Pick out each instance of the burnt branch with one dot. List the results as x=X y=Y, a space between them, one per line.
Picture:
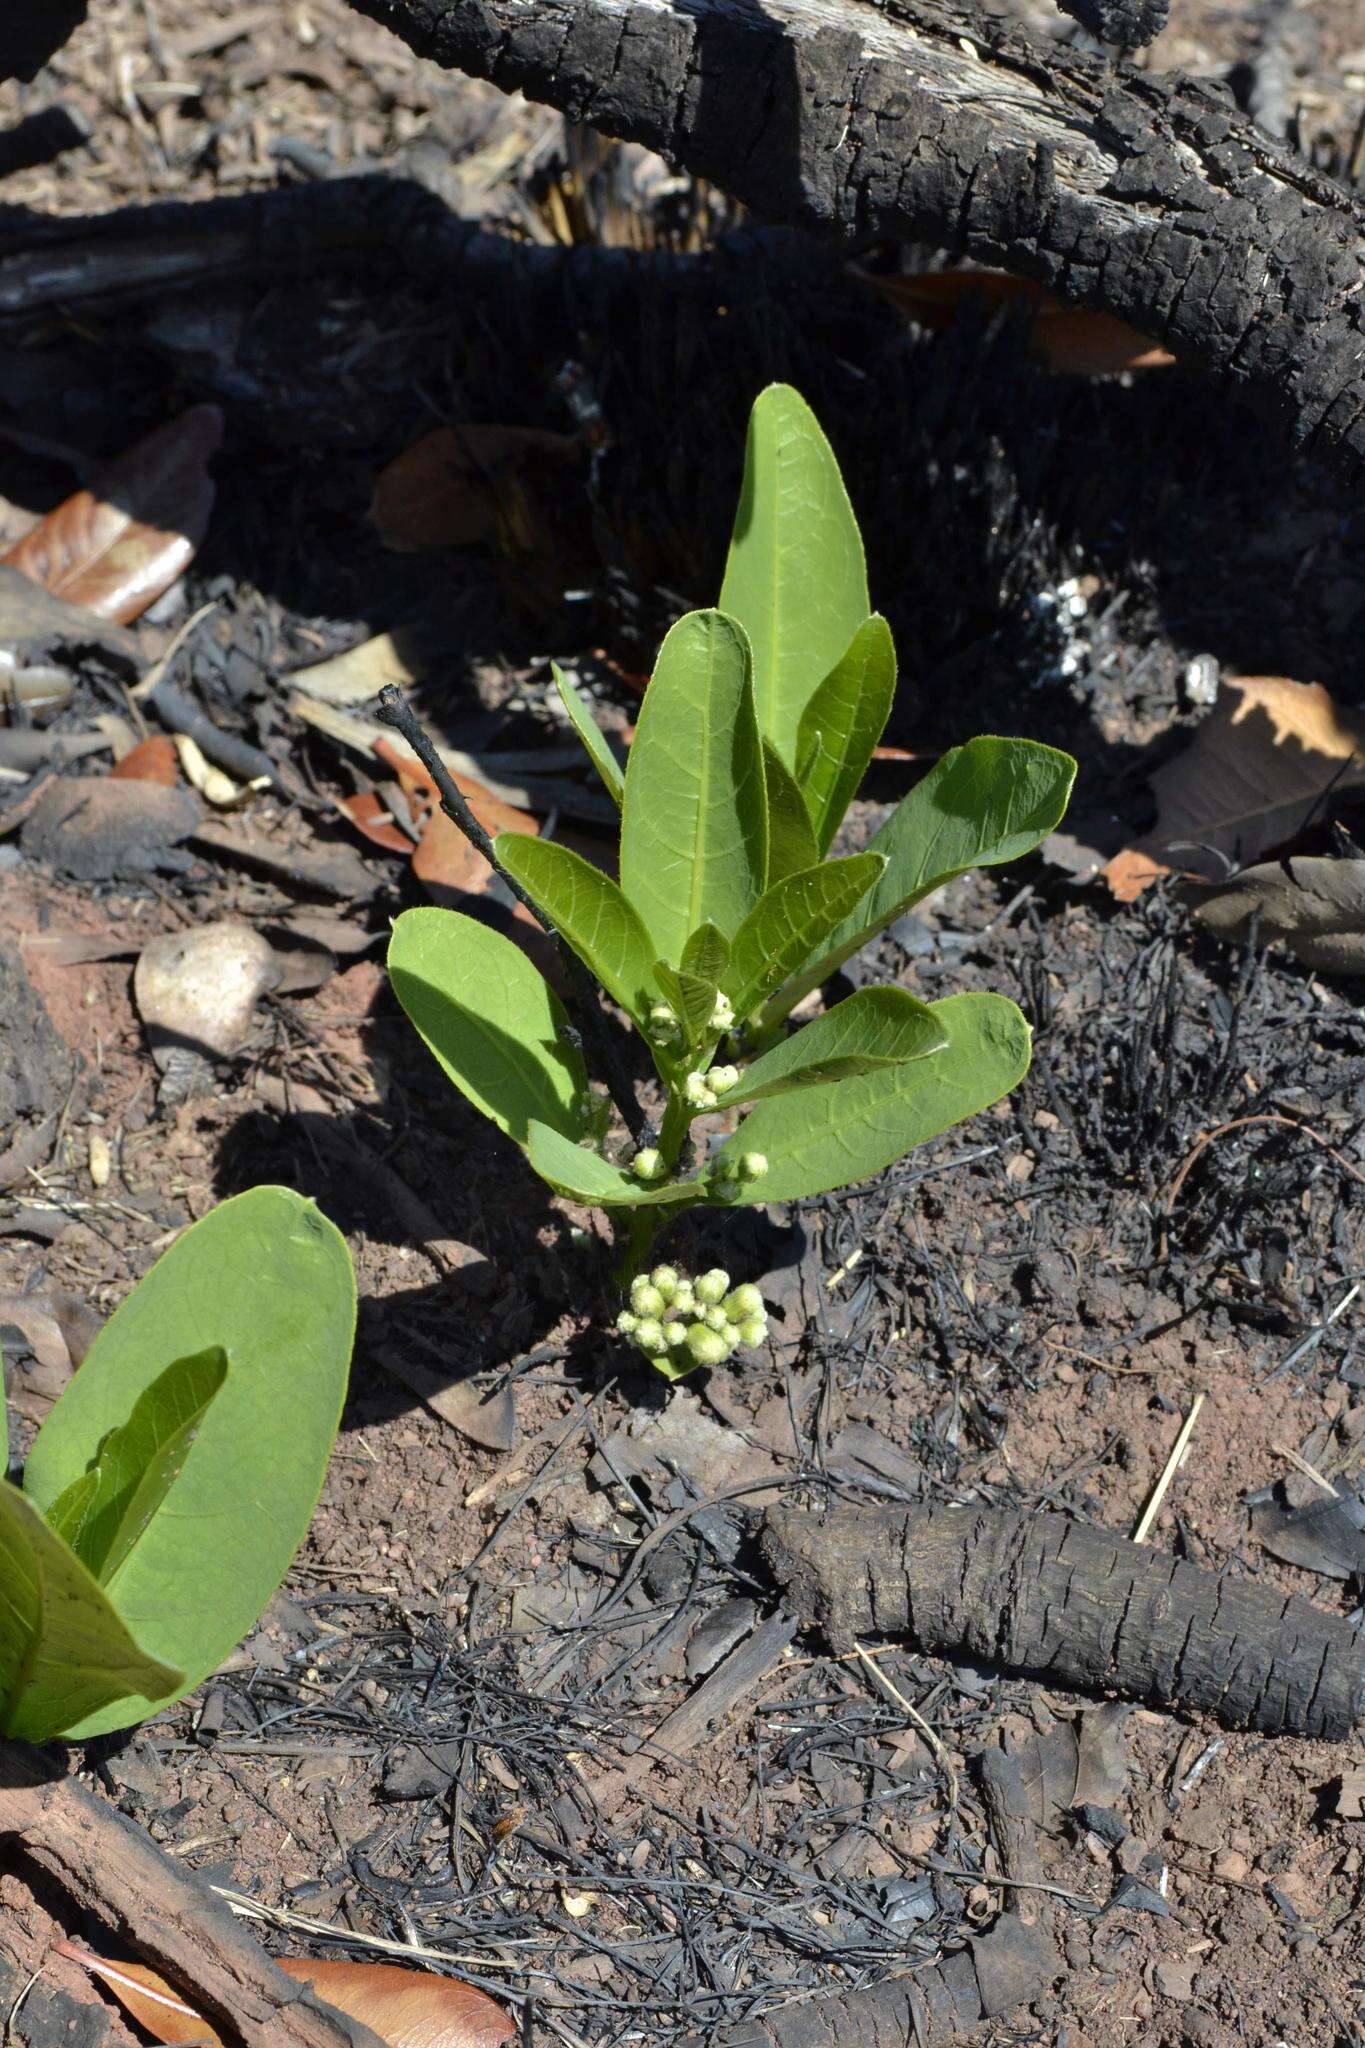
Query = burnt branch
x=393 y=709
x=1147 y=196
x=107 y=1867
x=1048 y=1597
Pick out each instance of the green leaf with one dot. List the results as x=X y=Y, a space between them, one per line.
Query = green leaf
x=791 y=920
x=266 y=1278
x=692 y=998
x=585 y=1176
x=791 y=838
x=691 y=989
x=828 y=1137
x=694 y=838
x=591 y=734
x=842 y=723
x=873 y=1029
x=795 y=578
x=589 y=911
x=65 y=1654
x=989 y=801
x=494 y=1024
x=706 y=954
x=104 y=1512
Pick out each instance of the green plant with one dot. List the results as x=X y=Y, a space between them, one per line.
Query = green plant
x=167 y=1491
x=756 y=729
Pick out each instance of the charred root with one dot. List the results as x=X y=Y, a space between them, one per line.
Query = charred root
x=1058 y=1600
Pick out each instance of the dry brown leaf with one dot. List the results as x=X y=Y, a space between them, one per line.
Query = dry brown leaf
x=406 y=2008
x=1254 y=776
x=367 y=813
x=1074 y=340
x=115 y=546
x=1314 y=908
x=153 y=760
x=448 y=488
x=445 y=860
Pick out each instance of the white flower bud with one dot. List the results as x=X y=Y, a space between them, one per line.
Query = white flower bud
x=752 y=1165
x=648 y=1164
x=706 y=1346
x=754 y=1331
x=744 y=1302
x=645 y=1299
x=722 y=1013
x=715 y=1318
x=720 y=1079
x=697 y=1093
x=684 y=1298
x=663 y=1022
x=713 y=1286
x=626 y=1323
x=649 y=1338
x=665 y=1278
x=675 y=1335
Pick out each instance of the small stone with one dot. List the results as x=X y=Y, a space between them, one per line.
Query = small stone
x=1176 y=1979
x=1232 y=1867
x=199 y=988
x=1350 y=1801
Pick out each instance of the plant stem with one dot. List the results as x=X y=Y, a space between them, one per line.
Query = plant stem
x=393 y=709
x=637 y=1242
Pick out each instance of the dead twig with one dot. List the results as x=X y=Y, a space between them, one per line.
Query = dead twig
x=393 y=709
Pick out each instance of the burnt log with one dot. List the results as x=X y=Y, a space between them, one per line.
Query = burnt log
x=1148 y=196
x=1045 y=1597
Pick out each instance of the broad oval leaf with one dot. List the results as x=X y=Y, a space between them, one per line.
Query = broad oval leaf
x=842 y=723
x=406 y=2008
x=989 y=801
x=104 y=1512
x=584 y=1176
x=268 y=1279
x=790 y=921
x=589 y=911
x=870 y=1030
x=795 y=577
x=592 y=736
x=493 y=1023
x=791 y=838
x=828 y=1137
x=65 y=1652
x=694 y=839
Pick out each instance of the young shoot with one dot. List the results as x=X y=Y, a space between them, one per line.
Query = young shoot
x=757 y=726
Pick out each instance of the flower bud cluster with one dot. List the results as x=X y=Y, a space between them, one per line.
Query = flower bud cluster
x=700 y=1090
x=683 y=1323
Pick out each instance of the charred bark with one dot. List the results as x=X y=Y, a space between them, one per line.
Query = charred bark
x=1058 y=1600
x=1146 y=195
x=56 y=1832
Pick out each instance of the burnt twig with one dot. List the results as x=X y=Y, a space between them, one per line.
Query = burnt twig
x=393 y=709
